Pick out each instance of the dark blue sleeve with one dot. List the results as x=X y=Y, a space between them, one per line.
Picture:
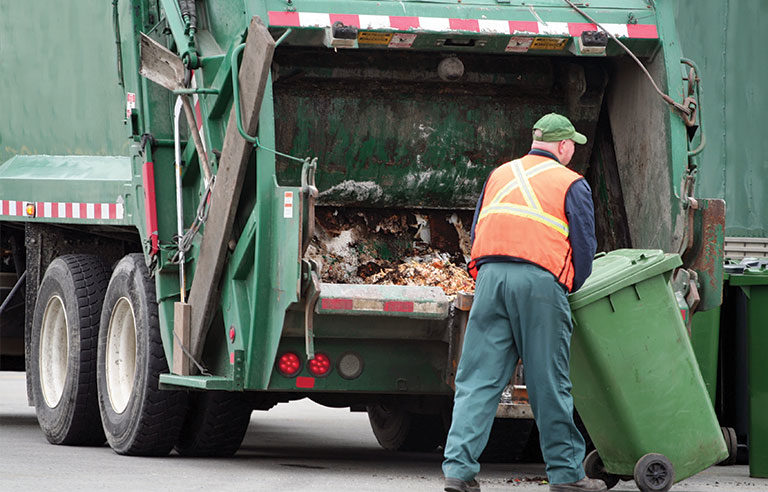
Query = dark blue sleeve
x=477 y=212
x=580 y=212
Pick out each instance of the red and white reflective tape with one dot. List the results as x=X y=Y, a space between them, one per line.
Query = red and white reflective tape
x=64 y=210
x=380 y=306
x=444 y=24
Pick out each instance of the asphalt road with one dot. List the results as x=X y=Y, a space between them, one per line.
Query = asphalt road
x=299 y=446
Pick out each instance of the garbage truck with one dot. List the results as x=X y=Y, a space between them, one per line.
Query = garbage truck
x=209 y=207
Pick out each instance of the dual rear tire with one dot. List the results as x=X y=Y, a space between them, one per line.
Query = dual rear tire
x=138 y=417
x=397 y=429
x=215 y=425
x=97 y=355
x=64 y=350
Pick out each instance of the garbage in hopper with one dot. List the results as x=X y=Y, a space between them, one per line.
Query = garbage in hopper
x=392 y=248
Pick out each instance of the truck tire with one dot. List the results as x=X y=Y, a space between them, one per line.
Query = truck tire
x=138 y=417
x=63 y=349
x=397 y=429
x=215 y=425
x=508 y=441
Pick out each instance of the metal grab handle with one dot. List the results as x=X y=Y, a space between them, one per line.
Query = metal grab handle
x=309 y=190
x=308 y=172
x=312 y=295
x=235 y=71
x=696 y=110
x=179 y=197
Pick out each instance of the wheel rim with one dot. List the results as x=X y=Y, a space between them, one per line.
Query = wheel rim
x=656 y=475
x=54 y=351
x=121 y=355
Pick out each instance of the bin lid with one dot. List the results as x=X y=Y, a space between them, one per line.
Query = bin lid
x=755 y=275
x=618 y=269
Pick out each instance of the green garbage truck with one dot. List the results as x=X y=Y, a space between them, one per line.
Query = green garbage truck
x=210 y=207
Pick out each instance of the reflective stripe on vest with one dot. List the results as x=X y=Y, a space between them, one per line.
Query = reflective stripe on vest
x=533 y=210
x=523 y=216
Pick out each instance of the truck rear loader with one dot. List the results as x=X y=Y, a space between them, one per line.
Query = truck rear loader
x=206 y=206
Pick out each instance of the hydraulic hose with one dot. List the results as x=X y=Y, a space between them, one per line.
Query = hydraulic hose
x=679 y=107
x=189 y=14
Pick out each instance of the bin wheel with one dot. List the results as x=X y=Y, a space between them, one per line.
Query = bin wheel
x=732 y=443
x=594 y=468
x=654 y=473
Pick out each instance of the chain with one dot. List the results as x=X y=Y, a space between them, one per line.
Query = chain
x=258 y=145
x=185 y=242
x=200 y=368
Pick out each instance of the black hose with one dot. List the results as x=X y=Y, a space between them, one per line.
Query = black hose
x=189 y=13
x=116 y=27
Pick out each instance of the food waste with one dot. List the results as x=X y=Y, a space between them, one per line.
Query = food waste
x=393 y=248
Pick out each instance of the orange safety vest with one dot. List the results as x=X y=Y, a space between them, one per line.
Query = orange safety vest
x=523 y=216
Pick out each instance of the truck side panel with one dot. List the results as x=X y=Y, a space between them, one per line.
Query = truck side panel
x=60 y=60
x=733 y=66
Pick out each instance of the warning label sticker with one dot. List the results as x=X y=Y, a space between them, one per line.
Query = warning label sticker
x=130 y=104
x=288 y=205
x=519 y=44
x=370 y=37
x=552 y=44
x=402 y=40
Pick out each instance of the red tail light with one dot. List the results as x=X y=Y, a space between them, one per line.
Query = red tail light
x=320 y=365
x=289 y=364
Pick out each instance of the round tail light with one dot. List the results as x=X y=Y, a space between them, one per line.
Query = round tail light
x=320 y=365
x=289 y=364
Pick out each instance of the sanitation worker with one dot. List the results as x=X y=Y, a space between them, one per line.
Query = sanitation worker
x=533 y=241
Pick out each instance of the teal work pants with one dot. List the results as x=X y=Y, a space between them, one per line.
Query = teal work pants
x=519 y=311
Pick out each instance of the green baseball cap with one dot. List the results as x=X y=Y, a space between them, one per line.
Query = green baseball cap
x=554 y=127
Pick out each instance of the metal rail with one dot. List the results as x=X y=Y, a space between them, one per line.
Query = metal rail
x=15 y=288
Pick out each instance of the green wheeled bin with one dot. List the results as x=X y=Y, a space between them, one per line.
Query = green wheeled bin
x=636 y=382
x=753 y=280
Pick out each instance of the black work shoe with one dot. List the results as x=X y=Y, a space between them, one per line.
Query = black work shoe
x=458 y=485
x=583 y=485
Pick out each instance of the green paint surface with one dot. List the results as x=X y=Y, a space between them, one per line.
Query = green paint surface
x=69 y=179
x=754 y=283
x=705 y=339
x=60 y=92
x=726 y=40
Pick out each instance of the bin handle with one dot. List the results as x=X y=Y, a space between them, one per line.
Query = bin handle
x=600 y=254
